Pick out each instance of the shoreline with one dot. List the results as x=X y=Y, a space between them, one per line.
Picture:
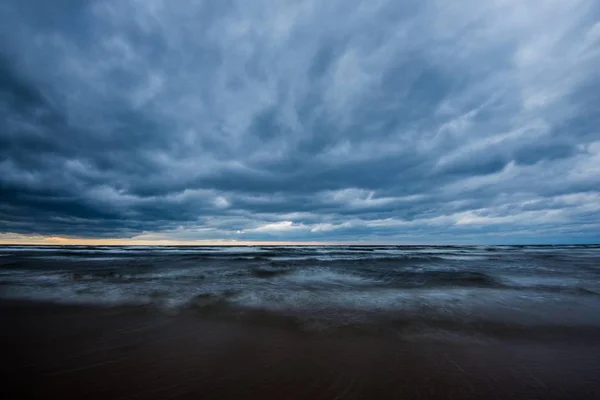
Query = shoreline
x=75 y=351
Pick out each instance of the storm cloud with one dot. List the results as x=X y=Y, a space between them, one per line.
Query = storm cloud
x=376 y=121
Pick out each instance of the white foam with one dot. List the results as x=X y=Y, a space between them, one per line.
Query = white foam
x=51 y=257
x=551 y=281
x=318 y=275
x=462 y=257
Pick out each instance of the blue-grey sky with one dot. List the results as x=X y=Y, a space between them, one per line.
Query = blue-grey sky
x=342 y=120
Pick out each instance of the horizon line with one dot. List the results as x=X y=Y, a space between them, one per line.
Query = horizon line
x=64 y=241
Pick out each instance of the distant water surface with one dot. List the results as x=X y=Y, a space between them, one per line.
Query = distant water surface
x=323 y=287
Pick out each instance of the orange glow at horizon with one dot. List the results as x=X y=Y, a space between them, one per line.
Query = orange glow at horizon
x=17 y=239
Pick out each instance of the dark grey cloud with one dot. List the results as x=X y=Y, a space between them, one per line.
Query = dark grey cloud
x=360 y=121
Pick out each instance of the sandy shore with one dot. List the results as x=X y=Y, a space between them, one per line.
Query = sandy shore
x=75 y=352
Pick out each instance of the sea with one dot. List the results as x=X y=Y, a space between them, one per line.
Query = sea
x=472 y=290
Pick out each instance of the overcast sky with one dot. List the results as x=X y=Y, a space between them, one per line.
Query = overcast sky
x=322 y=120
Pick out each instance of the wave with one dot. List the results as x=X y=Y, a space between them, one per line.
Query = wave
x=446 y=278
x=387 y=309
x=265 y=272
x=327 y=276
x=333 y=285
x=322 y=299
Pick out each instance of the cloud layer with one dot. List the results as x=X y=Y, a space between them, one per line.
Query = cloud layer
x=378 y=121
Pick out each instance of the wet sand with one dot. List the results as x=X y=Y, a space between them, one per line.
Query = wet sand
x=76 y=352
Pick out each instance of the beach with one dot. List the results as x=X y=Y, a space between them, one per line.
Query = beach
x=74 y=352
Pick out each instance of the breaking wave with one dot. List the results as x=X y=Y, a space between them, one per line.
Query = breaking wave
x=318 y=286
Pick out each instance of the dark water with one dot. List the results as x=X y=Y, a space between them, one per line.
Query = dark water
x=324 y=287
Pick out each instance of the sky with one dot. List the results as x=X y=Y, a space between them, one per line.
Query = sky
x=376 y=121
